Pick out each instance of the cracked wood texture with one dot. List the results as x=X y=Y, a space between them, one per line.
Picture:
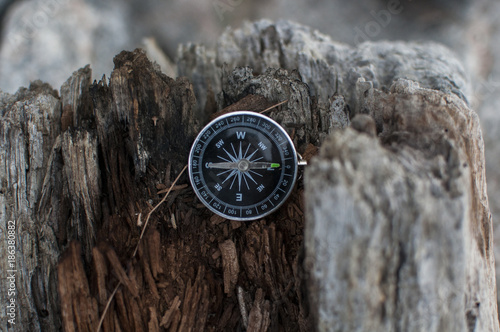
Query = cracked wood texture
x=399 y=230
x=389 y=230
x=101 y=155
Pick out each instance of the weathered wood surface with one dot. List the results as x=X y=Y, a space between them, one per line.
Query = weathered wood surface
x=29 y=128
x=399 y=234
x=100 y=176
x=83 y=170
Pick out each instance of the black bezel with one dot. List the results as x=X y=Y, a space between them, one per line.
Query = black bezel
x=266 y=127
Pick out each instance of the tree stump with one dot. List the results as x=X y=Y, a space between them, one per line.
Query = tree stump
x=399 y=234
x=397 y=226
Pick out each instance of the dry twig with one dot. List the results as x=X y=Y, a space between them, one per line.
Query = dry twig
x=275 y=105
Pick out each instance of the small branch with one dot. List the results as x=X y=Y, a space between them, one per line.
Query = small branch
x=107 y=306
x=179 y=187
x=156 y=206
x=275 y=105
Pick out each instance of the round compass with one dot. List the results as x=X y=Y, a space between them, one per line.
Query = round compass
x=243 y=165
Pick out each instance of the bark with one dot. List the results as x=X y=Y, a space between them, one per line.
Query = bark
x=82 y=171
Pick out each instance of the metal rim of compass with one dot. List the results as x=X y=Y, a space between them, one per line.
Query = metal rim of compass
x=295 y=157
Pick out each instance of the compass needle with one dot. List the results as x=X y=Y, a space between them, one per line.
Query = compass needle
x=225 y=165
x=242 y=165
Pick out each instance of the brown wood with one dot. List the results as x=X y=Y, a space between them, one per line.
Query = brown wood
x=78 y=306
x=118 y=147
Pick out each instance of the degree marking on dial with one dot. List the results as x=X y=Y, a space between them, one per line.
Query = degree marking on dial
x=227 y=164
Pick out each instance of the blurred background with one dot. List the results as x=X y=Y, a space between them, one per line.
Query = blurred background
x=49 y=39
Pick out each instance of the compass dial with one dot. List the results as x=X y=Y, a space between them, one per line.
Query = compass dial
x=243 y=165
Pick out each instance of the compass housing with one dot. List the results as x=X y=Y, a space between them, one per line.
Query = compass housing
x=243 y=165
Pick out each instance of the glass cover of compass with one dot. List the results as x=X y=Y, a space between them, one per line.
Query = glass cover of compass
x=243 y=165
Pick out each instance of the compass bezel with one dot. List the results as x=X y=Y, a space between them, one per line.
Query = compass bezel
x=208 y=132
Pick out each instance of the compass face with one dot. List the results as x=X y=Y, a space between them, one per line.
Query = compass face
x=243 y=165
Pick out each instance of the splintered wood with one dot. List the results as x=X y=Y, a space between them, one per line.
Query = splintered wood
x=259 y=315
x=188 y=283
x=229 y=265
x=78 y=306
x=181 y=268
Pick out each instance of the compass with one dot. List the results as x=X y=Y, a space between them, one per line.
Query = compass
x=242 y=165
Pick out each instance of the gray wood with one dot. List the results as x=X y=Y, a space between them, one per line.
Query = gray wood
x=398 y=229
x=30 y=127
x=399 y=233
